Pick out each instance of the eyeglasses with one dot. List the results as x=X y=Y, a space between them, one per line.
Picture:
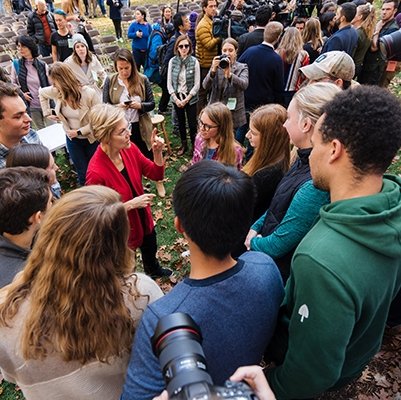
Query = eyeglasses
x=206 y=127
x=125 y=131
x=183 y=46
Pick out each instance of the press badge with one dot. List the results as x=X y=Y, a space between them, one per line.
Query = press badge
x=94 y=76
x=231 y=103
x=70 y=43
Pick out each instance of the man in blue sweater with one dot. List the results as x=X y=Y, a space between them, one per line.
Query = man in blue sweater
x=346 y=38
x=235 y=303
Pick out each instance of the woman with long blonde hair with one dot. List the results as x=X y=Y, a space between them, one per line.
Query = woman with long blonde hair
x=67 y=321
x=312 y=38
x=73 y=103
x=215 y=140
x=364 y=22
x=294 y=57
x=271 y=158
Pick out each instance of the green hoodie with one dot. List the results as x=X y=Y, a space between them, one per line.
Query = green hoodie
x=344 y=275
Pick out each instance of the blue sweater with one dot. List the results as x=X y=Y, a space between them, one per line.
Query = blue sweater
x=139 y=43
x=266 y=75
x=236 y=311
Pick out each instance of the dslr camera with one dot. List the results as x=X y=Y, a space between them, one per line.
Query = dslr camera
x=177 y=344
x=224 y=61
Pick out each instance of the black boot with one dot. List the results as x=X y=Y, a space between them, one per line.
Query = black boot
x=156 y=271
x=183 y=148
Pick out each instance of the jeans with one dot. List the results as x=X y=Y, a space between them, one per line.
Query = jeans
x=50 y=6
x=101 y=5
x=81 y=151
x=45 y=50
x=140 y=58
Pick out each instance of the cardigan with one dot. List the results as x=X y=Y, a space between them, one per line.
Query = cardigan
x=102 y=171
x=198 y=152
x=52 y=378
x=233 y=88
x=88 y=100
x=94 y=70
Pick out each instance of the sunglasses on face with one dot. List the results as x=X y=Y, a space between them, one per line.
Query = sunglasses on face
x=183 y=46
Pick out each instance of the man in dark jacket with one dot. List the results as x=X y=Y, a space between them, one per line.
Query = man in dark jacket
x=40 y=26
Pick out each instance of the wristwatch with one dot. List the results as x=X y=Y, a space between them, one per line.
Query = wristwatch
x=79 y=132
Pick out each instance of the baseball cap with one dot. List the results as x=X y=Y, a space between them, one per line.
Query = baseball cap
x=337 y=64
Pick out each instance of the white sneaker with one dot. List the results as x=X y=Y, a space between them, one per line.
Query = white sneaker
x=121 y=39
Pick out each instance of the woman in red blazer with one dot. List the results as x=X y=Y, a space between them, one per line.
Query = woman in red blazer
x=119 y=164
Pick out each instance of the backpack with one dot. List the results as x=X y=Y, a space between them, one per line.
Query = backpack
x=161 y=55
x=154 y=61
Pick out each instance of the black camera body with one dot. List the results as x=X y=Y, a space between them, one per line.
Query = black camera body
x=177 y=344
x=224 y=61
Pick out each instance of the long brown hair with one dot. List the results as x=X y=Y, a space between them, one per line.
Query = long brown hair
x=368 y=13
x=136 y=80
x=74 y=279
x=68 y=85
x=220 y=115
x=274 y=143
x=290 y=45
x=313 y=33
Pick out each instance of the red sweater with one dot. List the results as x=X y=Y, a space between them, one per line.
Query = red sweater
x=102 y=171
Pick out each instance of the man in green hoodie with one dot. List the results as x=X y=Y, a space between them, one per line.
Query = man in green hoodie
x=347 y=270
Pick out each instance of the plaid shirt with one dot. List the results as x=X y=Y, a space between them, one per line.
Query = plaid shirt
x=31 y=137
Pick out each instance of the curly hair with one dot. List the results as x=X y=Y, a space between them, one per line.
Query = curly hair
x=74 y=279
x=274 y=144
x=367 y=121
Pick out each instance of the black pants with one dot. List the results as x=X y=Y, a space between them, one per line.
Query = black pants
x=190 y=110
x=203 y=93
x=148 y=251
x=164 y=100
x=117 y=28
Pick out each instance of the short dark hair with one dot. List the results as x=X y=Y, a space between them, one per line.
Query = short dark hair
x=29 y=42
x=348 y=10
x=392 y=1
x=28 y=155
x=23 y=192
x=326 y=18
x=214 y=202
x=6 y=90
x=367 y=121
x=177 y=20
x=263 y=15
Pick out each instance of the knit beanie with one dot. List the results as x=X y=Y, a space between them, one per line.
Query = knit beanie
x=78 y=38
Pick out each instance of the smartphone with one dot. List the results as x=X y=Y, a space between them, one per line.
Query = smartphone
x=128 y=102
x=140 y=30
x=54 y=112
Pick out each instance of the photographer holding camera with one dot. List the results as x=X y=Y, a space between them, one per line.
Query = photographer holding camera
x=228 y=79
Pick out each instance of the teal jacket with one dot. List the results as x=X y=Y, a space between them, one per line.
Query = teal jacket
x=344 y=275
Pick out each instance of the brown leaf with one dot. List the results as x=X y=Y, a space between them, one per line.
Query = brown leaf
x=382 y=395
x=158 y=214
x=183 y=168
x=381 y=380
x=366 y=375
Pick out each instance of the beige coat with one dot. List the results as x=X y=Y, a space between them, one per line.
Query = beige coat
x=88 y=100
x=54 y=379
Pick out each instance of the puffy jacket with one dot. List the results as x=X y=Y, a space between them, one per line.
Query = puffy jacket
x=35 y=26
x=206 y=44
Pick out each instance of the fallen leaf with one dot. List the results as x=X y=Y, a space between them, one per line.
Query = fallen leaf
x=158 y=214
x=381 y=380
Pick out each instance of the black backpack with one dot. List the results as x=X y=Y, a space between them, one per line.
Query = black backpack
x=161 y=55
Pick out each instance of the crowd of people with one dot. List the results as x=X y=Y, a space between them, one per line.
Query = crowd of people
x=294 y=241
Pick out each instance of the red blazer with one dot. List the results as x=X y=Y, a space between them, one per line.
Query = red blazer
x=102 y=171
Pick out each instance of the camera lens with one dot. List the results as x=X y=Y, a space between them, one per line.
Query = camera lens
x=390 y=46
x=224 y=61
x=177 y=344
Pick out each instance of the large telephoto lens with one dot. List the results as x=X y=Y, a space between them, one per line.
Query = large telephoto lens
x=390 y=46
x=177 y=344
